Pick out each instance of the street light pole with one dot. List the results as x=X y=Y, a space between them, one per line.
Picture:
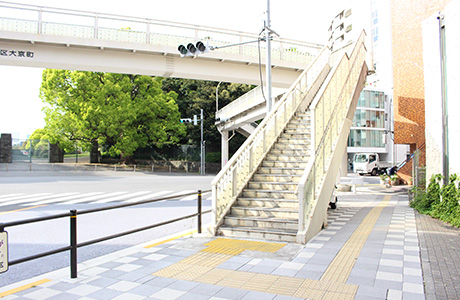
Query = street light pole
x=268 y=65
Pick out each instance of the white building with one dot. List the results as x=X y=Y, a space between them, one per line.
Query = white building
x=441 y=48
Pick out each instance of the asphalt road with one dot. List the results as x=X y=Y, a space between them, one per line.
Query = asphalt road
x=29 y=195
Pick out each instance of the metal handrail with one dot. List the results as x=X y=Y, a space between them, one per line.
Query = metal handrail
x=73 y=236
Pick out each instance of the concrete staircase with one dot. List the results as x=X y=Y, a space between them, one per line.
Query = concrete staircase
x=268 y=206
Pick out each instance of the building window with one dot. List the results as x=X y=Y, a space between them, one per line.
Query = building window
x=372 y=99
x=366 y=138
x=369 y=118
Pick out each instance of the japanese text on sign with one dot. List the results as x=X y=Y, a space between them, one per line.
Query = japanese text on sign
x=3 y=251
x=16 y=53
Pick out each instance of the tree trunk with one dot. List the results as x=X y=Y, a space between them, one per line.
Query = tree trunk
x=94 y=154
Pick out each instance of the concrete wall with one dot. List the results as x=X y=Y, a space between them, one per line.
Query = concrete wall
x=6 y=147
x=433 y=99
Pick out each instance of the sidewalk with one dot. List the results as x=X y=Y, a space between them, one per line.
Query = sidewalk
x=369 y=250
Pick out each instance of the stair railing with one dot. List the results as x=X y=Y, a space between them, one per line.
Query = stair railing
x=235 y=175
x=328 y=113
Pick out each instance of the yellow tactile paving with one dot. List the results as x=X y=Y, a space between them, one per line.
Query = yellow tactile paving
x=341 y=266
x=224 y=246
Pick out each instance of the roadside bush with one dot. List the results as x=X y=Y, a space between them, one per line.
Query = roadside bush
x=439 y=202
x=447 y=209
x=425 y=199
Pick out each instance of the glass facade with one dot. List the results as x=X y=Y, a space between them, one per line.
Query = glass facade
x=372 y=99
x=366 y=138
x=369 y=118
x=368 y=125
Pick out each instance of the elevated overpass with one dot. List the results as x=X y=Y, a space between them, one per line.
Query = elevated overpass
x=46 y=37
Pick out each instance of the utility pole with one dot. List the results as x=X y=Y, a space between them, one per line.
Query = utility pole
x=202 y=145
x=268 y=65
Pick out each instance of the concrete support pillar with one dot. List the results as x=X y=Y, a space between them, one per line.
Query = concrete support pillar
x=6 y=148
x=224 y=151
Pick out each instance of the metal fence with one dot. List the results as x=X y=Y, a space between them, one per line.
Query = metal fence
x=74 y=244
x=31 y=151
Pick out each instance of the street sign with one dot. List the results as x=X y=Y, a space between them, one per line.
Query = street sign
x=3 y=251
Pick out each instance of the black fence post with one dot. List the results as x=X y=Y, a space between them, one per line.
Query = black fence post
x=73 y=244
x=199 y=211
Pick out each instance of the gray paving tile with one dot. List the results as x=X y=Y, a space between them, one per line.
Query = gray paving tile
x=231 y=293
x=167 y=294
x=65 y=296
x=361 y=281
x=103 y=282
x=252 y=295
x=160 y=281
x=183 y=285
x=145 y=290
x=193 y=296
x=206 y=289
x=104 y=294
x=262 y=269
x=230 y=265
x=307 y=274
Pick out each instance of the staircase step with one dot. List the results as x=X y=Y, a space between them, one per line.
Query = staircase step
x=259 y=233
x=268 y=202
x=276 y=177
x=290 y=146
x=286 y=158
x=257 y=193
x=264 y=212
x=280 y=170
x=273 y=223
x=296 y=151
x=284 y=164
x=272 y=186
x=293 y=140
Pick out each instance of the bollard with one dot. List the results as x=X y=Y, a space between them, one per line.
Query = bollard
x=73 y=244
x=199 y=211
x=134 y=168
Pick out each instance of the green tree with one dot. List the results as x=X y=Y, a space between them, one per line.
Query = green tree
x=122 y=112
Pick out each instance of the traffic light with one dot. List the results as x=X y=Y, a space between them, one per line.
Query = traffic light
x=192 y=50
x=186 y=120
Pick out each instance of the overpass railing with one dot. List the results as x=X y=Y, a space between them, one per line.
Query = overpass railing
x=236 y=173
x=91 y=25
x=328 y=113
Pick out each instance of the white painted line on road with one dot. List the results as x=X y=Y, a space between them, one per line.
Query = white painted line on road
x=121 y=197
x=63 y=197
x=147 y=197
x=23 y=199
x=9 y=195
x=92 y=198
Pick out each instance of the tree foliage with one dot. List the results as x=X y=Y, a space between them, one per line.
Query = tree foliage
x=194 y=95
x=123 y=112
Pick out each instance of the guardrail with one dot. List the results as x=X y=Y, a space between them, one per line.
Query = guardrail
x=91 y=25
x=328 y=113
x=74 y=245
x=236 y=173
